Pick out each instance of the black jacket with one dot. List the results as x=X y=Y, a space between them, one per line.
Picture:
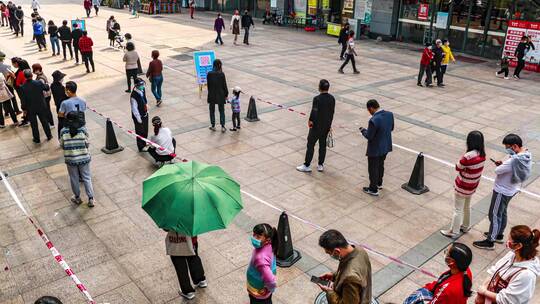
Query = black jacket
x=343 y=35
x=53 y=30
x=65 y=33
x=322 y=112
x=521 y=48
x=59 y=94
x=217 y=87
x=76 y=34
x=438 y=55
x=247 y=21
x=32 y=97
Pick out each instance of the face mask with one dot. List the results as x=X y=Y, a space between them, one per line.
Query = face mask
x=510 y=151
x=335 y=257
x=256 y=243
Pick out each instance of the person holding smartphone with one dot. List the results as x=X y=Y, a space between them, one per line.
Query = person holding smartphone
x=351 y=283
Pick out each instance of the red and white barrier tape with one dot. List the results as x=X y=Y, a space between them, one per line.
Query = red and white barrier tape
x=57 y=256
x=366 y=247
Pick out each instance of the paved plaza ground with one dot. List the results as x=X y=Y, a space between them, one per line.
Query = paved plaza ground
x=118 y=252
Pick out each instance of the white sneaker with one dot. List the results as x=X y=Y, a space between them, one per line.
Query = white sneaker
x=189 y=295
x=506 y=77
x=449 y=234
x=497 y=74
x=202 y=284
x=320 y=168
x=303 y=168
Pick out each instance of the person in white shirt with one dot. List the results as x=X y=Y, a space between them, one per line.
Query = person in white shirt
x=511 y=172
x=162 y=137
x=349 y=54
x=35 y=5
x=513 y=278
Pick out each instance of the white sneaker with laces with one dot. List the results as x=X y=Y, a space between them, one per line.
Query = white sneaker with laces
x=449 y=233
x=303 y=168
x=189 y=295
x=202 y=284
x=320 y=168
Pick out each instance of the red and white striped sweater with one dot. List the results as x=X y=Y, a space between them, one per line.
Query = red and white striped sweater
x=469 y=169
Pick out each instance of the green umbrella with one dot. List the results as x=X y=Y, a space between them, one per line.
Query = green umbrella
x=191 y=198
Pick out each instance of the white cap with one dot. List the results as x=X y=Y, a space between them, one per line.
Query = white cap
x=237 y=89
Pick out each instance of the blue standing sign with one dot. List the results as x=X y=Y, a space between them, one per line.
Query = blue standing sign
x=204 y=60
x=81 y=24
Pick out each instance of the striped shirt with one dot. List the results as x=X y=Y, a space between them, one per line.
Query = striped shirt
x=469 y=169
x=76 y=147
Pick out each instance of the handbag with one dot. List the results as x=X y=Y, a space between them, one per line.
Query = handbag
x=330 y=140
x=420 y=296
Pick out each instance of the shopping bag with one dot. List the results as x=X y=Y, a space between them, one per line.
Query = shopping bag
x=330 y=140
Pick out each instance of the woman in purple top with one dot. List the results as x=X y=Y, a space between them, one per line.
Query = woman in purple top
x=218 y=26
x=261 y=273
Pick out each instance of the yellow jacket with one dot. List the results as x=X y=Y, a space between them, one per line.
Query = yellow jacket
x=447 y=54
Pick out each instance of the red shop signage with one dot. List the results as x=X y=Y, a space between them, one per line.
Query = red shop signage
x=423 y=11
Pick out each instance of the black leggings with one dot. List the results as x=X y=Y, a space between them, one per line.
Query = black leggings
x=131 y=73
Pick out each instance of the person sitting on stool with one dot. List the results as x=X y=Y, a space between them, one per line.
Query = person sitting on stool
x=162 y=136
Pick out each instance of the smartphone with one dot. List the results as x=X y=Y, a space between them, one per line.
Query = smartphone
x=494 y=161
x=318 y=280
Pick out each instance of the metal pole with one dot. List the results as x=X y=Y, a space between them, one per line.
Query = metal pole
x=468 y=23
x=486 y=27
x=433 y=8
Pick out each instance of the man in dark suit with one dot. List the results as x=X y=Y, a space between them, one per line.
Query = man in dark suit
x=34 y=103
x=320 y=123
x=379 y=136
x=247 y=22
x=217 y=94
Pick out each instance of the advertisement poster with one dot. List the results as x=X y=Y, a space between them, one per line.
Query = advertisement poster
x=81 y=24
x=442 y=20
x=203 y=64
x=348 y=6
x=516 y=30
x=273 y=3
x=362 y=10
x=300 y=7
x=333 y=29
x=423 y=11
x=312 y=7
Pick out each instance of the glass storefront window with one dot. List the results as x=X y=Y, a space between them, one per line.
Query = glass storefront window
x=460 y=12
x=500 y=13
x=410 y=8
x=528 y=10
x=478 y=14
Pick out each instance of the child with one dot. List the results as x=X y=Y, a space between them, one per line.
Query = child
x=261 y=273
x=235 y=106
x=505 y=62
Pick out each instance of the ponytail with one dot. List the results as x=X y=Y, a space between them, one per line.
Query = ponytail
x=528 y=238
x=467 y=285
x=270 y=233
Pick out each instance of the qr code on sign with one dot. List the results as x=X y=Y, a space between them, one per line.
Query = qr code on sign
x=204 y=60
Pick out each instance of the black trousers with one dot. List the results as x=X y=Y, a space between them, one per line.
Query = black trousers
x=236 y=120
x=343 y=49
x=349 y=57
x=212 y=110
x=96 y=8
x=438 y=73
x=88 y=11
x=161 y=158
x=253 y=300
x=32 y=118
x=131 y=73
x=498 y=216
x=88 y=58
x=49 y=112
x=376 y=171
x=503 y=70
x=314 y=136
x=246 y=35
x=5 y=107
x=519 y=67
x=14 y=104
x=185 y=267
x=427 y=69
x=141 y=129
x=67 y=44
x=218 y=38
x=443 y=69
x=40 y=41
x=76 y=51
x=60 y=125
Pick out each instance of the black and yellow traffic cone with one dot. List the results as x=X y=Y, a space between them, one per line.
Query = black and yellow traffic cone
x=111 y=144
x=416 y=182
x=286 y=256
x=252 y=111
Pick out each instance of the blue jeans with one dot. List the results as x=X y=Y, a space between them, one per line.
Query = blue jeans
x=157 y=81
x=55 y=45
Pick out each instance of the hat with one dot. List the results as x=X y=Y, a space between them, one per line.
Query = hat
x=57 y=75
x=156 y=120
x=438 y=41
x=2 y=55
x=237 y=89
x=139 y=81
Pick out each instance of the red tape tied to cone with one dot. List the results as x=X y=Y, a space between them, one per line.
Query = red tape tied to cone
x=57 y=256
